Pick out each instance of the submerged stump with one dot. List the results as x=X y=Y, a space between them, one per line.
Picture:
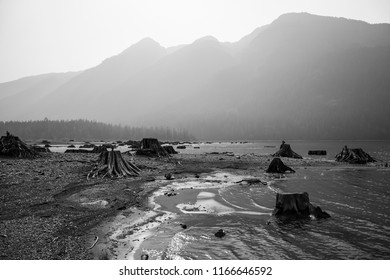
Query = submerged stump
x=277 y=166
x=286 y=151
x=111 y=163
x=297 y=205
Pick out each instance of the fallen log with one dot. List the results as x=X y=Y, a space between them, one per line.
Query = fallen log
x=111 y=163
x=356 y=156
x=277 y=166
x=297 y=205
x=317 y=152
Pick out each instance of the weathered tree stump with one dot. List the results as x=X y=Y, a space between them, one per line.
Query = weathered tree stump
x=170 y=150
x=12 y=146
x=286 y=151
x=111 y=163
x=357 y=156
x=277 y=166
x=99 y=149
x=297 y=205
x=152 y=148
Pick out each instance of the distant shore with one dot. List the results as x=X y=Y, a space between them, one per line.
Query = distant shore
x=49 y=210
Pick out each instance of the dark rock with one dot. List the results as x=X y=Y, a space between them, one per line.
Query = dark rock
x=277 y=166
x=220 y=233
x=182 y=147
x=317 y=152
x=71 y=146
x=297 y=205
x=144 y=257
x=183 y=226
x=169 y=176
x=47 y=146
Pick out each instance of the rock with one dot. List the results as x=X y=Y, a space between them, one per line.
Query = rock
x=144 y=257
x=317 y=152
x=220 y=233
x=297 y=205
x=183 y=226
x=277 y=166
x=169 y=176
x=181 y=147
x=71 y=146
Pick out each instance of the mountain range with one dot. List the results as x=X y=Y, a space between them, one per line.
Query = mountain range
x=302 y=76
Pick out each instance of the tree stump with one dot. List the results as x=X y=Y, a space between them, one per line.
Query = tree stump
x=111 y=163
x=297 y=205
x=286 y=151
x=152 y=148
x=277 y=166
x=170 y=150
x=12 y=146
x=357 y=156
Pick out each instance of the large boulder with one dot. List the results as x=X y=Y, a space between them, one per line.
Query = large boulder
x=297 y=205
x=277 y=166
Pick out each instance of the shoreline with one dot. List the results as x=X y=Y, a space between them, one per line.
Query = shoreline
x=50 y=210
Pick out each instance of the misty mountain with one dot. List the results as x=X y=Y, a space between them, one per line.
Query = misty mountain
x=300 y=77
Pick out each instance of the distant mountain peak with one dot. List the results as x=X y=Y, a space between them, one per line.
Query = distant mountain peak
x=207 y=38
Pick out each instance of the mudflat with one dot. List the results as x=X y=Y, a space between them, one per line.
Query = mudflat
x=50 y=210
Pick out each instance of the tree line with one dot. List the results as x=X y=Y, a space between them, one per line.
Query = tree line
x=88 y=130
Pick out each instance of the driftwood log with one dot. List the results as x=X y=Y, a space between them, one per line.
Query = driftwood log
x=317 y=152
x=112 y=164
x=297 y=205
x=357 y=156
x=152 y=148
x=286 y=151
x=277 y=166
x=12 y=146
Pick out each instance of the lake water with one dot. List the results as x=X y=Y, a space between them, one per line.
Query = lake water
x=357 y=198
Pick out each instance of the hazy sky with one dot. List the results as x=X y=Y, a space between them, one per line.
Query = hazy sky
x=42 y=36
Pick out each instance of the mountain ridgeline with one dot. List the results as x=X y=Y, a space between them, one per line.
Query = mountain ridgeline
x=301 y=77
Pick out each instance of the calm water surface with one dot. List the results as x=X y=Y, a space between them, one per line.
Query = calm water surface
x=358 y=200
